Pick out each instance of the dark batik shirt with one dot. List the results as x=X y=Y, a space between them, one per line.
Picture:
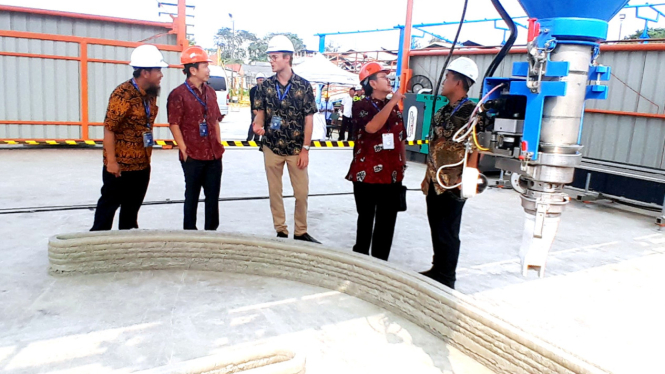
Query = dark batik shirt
x=126 y=118
x=442 y=149
x=299 y=103
x=371 y=163
x=186 y=111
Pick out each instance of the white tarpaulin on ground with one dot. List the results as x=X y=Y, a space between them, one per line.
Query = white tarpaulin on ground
x=318 y=69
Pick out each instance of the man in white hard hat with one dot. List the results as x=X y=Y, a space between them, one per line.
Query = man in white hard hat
x=128 y=141
x=444 y=206
x=285 y=107
x=260 y=77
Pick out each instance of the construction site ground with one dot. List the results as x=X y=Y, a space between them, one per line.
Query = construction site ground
x=601 y=298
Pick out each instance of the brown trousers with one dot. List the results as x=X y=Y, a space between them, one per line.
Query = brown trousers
x=299 y=181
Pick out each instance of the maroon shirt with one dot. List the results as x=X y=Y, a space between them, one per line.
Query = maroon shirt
x=371 y=163
x=186 y=111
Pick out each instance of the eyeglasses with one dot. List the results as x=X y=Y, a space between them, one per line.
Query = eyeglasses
x=272 y=57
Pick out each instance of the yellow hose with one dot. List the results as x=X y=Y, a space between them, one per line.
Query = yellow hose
x=475 y=140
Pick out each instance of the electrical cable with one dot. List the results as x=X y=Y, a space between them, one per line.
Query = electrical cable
x=437 y=88
x=509 y=43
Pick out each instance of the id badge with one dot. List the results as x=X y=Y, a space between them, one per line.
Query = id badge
x=203 y=129
x=389 y=141
x=148 y=140
x=276 y=123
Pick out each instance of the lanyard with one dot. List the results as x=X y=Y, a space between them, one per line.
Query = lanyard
x=458 y=106
x=373 y=104
x=279 y=93
x=205 y=106
x=145 y=104
x=378 y=110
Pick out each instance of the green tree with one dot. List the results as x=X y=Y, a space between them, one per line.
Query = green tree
x=233 y=46
x=258 y=49
x=332 y=47
x=654 y=33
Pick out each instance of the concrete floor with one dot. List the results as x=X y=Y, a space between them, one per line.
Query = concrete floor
x=599 y=299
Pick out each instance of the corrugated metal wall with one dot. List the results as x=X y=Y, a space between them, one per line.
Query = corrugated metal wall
x=44 y=89
x=47 y=24
x=104 y=78
x=634 y=87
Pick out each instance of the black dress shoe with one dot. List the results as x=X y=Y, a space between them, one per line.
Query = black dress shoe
x=282 y=235
x=306 y=238
x=438 y=276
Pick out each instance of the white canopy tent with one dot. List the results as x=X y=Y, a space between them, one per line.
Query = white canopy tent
x=318 y=69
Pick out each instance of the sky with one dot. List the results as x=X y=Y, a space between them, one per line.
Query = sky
x=308 y=17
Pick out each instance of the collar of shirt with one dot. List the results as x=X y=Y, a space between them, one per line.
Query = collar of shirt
x=376 y=103
x=140 y=93
x=293 y=76
x=200 y=91
x=456 y=103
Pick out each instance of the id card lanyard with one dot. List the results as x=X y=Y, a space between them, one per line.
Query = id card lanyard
x=205 y=106
x=431 y=129
x=388 y=140
x=203 y=127
x=146 y=105
x=281 y=96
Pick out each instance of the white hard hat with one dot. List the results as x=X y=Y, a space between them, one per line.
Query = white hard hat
x=466 y=67
x=260 y=75
x=280 y=43
x=147 y=56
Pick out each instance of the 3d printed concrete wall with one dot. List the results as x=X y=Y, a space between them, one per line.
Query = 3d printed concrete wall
x=445 y=313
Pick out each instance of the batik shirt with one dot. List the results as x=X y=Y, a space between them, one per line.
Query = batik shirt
x=298 y=103
x=371 y=162
x=442 y=149
x=126 y=118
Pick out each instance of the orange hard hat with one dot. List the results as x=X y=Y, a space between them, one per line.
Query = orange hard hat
x=194 y=54
x=370 y=69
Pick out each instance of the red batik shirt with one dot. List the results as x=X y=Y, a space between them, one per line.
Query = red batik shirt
x=186 y=111
x=371 y=163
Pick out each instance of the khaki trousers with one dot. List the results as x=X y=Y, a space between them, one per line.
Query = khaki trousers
x=299 y=181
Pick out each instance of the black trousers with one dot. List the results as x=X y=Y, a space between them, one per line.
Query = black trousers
x=347 y=126
x=125 y=192
x=207 y=175
x=377 y=206
x=250 y=134
x=444 y=213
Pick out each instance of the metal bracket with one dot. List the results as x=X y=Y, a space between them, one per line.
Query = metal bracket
x=541 y=212
x=598 y=73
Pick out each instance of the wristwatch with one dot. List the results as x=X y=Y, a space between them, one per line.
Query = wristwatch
x=306 y=147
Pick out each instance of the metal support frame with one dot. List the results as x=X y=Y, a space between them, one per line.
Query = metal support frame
x=646 y=19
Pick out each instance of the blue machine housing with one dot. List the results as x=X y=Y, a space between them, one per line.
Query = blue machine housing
x=560 y=22
x=553 y=31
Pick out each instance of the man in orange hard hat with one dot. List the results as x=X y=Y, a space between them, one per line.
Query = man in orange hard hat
x=194 y=117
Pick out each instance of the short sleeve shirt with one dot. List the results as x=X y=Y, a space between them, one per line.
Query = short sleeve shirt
x=185 y=110
x=371 y=162
x=347 y=101
x=298 y=103
x=330 y=106
x=442 y=149
x=126 y=118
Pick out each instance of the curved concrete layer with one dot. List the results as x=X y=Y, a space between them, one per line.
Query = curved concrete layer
x=256 y=360
x=445 y=313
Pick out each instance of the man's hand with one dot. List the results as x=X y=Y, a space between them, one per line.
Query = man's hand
x=397 y=97
x=258 y=129
x=303 y=159
x=424 y=186
x=183 y=152
x=113 y=168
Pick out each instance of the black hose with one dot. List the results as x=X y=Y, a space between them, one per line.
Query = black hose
x=509 y=43
x=445 y=65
